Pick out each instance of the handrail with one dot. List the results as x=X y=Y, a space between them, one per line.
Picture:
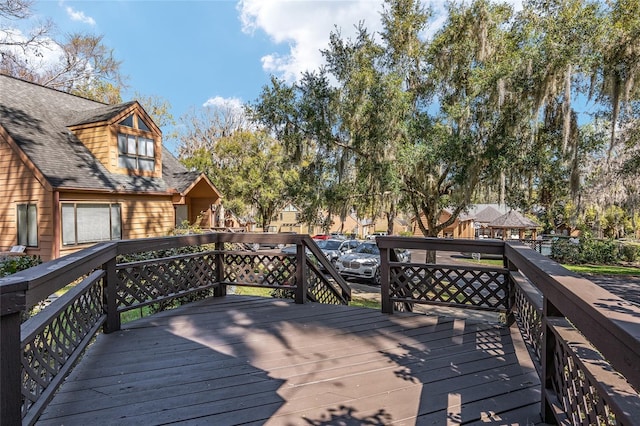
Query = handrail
x=98 y=300
x=309 y=243
x=563 y=305
x=609 y=322
x=581 y=332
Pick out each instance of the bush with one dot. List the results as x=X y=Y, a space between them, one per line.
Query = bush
x=585 y=250
x=11 y=265
x=630 y=251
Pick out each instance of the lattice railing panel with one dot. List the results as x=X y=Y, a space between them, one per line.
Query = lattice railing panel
x=577 y=393
x=529 y=321
x=52 y=346
x=459 y=286
x=322 y=290
x=260 y=269
x=142 y=282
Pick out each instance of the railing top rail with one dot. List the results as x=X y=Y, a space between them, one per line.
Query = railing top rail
x=165 y=243
x=308 y=242
x=41 y=279
x=442 y=244
x=609 y=322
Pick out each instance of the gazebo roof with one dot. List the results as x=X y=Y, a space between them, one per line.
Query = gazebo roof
x=487 y=215
x=513 y=220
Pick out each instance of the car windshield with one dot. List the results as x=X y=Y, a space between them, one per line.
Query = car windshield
x=367 y=248
x=329 y=244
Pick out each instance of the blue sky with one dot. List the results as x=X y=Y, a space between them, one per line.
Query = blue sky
x=196 y=53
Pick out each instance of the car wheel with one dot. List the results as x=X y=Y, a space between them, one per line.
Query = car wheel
x=376 y=277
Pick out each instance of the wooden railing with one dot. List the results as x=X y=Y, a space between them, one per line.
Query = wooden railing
x=584 y=340
x=37 y=351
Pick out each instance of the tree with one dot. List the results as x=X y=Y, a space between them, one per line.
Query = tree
x=84 y=65
x=252 y=167
x=14 y=46
x=201 y=129
x=159 y=109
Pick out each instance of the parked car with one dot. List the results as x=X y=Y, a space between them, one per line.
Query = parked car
x=375 y=234
x=331 y=248
x=364 y=262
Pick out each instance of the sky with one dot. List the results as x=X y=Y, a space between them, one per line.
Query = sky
x=199 y=53
x=196 y=53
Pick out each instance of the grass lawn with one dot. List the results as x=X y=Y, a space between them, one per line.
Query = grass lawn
x=604 y=269
x=266 y=292
x=579 y=269
x=365 y=303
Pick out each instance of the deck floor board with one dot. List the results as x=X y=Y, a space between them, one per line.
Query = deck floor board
x=250 y=360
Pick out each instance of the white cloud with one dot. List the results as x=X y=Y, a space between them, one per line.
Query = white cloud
x=225 y=103
x=41 y=57
x=79 y=16
x=305 y=26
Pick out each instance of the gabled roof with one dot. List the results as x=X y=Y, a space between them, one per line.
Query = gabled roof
x=513 y=220
x=487 y=214
x=37 y=118
x=99 y=114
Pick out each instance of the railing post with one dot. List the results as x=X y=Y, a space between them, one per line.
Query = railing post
x=12 y=305
x=221 y=289
x=547 y=362
x=511 y=291
x=301 y=273
x=385 y=285
x=110 y=291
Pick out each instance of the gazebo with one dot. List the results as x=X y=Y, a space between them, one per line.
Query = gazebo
x=511 y=221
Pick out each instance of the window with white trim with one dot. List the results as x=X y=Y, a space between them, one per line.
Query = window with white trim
x=135 y=151
x=27 y=218
x=84 y=223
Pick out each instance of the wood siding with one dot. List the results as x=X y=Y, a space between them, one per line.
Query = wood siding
x=18 y=185
x=99 y=141
x=200 y=212
x=142 y=215
x=458 y=229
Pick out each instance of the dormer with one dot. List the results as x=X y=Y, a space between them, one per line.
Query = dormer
x=123 y=138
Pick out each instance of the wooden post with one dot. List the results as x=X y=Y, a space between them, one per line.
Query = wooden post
x=301 y=273
x=511 y=291
x=385 y=285
x=12 y=304
x=110 y=291
x=547 y=353
x=221 y=289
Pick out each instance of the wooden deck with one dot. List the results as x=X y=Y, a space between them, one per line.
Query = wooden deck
x=250 y=360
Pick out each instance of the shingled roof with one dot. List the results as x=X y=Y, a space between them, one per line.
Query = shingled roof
x=37 y=119
x=513 y=220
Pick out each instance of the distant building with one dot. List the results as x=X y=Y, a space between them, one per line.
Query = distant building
x=74 y=172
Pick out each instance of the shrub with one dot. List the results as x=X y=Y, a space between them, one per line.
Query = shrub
x=585 y=250
x=565 y=250
x=630 y=251
x=13 y=264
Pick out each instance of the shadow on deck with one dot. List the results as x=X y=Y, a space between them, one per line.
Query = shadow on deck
x=251 y=360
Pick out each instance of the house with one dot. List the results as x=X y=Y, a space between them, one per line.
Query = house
x=473 y=223
x=74 y=172
x=513 y=225
x=462 y=226
x=287 y=219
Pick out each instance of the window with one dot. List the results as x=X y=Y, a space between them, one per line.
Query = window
x=27 y=225
x=135 y=122
x=90 y=223
x=136 y=152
